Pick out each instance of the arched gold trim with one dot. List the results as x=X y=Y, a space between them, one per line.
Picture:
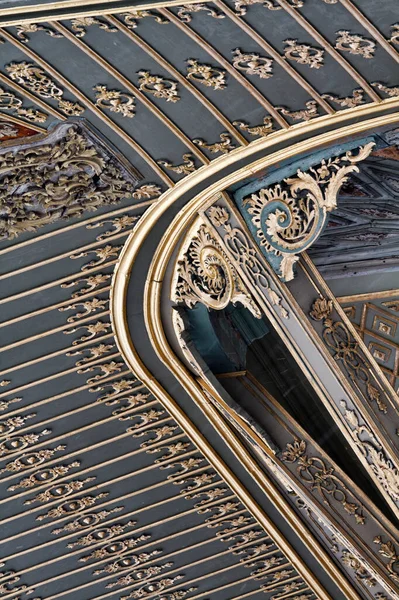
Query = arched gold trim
x=157 y=336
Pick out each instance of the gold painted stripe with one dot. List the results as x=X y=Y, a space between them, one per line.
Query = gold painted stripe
x=67 y=228
x=180 y=78
x=368 y=26
x=274 y=54
x=330 y=49
x=368 y=296
x=182 y=137
x=89 y=104
x=226 y=65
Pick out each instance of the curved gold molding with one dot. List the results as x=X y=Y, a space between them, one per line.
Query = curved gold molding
x=154 y=322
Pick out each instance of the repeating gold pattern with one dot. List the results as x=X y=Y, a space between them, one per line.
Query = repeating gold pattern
x=185 y=168
x=224 y=146
x=355 y=44
x=162 y=88
x=133 y=16
x=115 y=101
x=9 y=101
x=349 y=101
x=185 y=12
x=304 y=54
x=304 y=114
x=253 y=64
x=25 y=28
x=79 y=25
x=262 y=130
x=206 y=75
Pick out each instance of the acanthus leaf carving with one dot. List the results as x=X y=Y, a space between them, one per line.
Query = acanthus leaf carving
x=355 y=44
x=206 y=74
x=304 y=54
x=262 y=130
x=115 y=101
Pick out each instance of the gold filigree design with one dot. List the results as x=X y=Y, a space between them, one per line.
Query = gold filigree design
x=115 y=548
x=159 y=586
x=224 y=146
x=101 y=535
x=380 y=464
x=32 y=459
x=387 y=549
x=145 y=419
x=349 y=101
x=338 y=338
x=394 y=39
x=16 y=444
x=13 y=423
x=148 y=190
x=355 y=44
x=244 y=255
x=184 y=13
x=95 y=352
x=241 y=5
x=289 y=216
x=9 y=101
x=171 y=451
x=158 y=433
x=127 y=562
x=87 y=520
x=129 y=402
x=93 y=330
x=57 y=178
x=59 y=491
x=46 y=476
x=205 y=274
x=143 y=574
x=253 y=64
x=79 y=25
x=115 y=101
x=133 y=16
x=5 y=382
x=160 y=87
x=262 y=130
x=390 y=91
x=122 y=386
x=315 y=473
x=7 y=130
x=70 y=508
x=304 y=114
x=106 y=369
x=92 y=282
x=119 y=224
x=34 y=78
x=102 y=254
x=90 y=306
x=304 y=54
x=25 y=28
x=185 y=168
x=206 y=74
x=361 y=573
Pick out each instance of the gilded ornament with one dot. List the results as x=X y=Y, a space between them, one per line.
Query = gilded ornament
x=394 y=39
x=14 y=445
x=115 y=101
x=79 y=25
x=161 y=585
x=92 y=282
x=148 y=190
x=185 y=168
x=320 y=477
x=392 y=304
x=4 y=404
x=58 y=178
x=184 y=13
x=46 y=476
x=305 y=114
x=160 y=87
x=144 y=574
x=95 y=352
x=197 y=481
x=13 y=423
x=5 y=382
x=133 y=16
x=32 y=459
x=119 y=224
x=172 y=450
x=102 y=254
x=387 y=549
x=106 y=369
x=262 y=130
x=159 y=433
x=241 y=5
x=89 y=306
x=356 y=99
x=129 y=402
x=118 y=388
x=224 y=146
x=7 y=130
x=289 y=216
x=93 y=329
x=60 y=491
x=304 y=54
x=210 y=496
x=87 y=520
x=25 y=28
x=101 y=535
x=127 y=562
x=355 y=44
x=145 y=419
x=206 y=74
x=72 y=507
x=35 y=79
x=339 y=339
x=390 y=91
x=361 y=573
x=9 y=101
x=205 y=274
x=253 y=64
x=115 y=548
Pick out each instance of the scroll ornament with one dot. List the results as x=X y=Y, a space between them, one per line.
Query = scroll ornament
x=290 y=216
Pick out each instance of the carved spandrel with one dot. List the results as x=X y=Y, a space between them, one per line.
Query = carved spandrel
x=69 y=172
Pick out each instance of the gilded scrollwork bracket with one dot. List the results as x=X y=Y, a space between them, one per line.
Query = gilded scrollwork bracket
x=286 y=218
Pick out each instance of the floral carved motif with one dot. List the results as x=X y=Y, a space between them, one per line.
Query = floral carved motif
x=9 y=101
x=184 y=12
x=349 y=101
x=305 y=114
x=205 y=274
x=390 y=91
x=253 y=64
x=289 y=216
x=224 y=146
x=387 y=549
x=35 y=79
x=206 y=75
x=133 y=16
x=241 y=5
x=394 y=39
x=115 y=101
x=58 y=178
x=166 y=89
x=7 y=130
x=262 y=130
x=304 y=54
x=25 y=28
x=355 y=44
x=185 y=168
x=79 y=25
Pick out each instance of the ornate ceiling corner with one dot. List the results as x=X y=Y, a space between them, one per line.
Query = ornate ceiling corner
x=68 y=172
x=288 y=217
